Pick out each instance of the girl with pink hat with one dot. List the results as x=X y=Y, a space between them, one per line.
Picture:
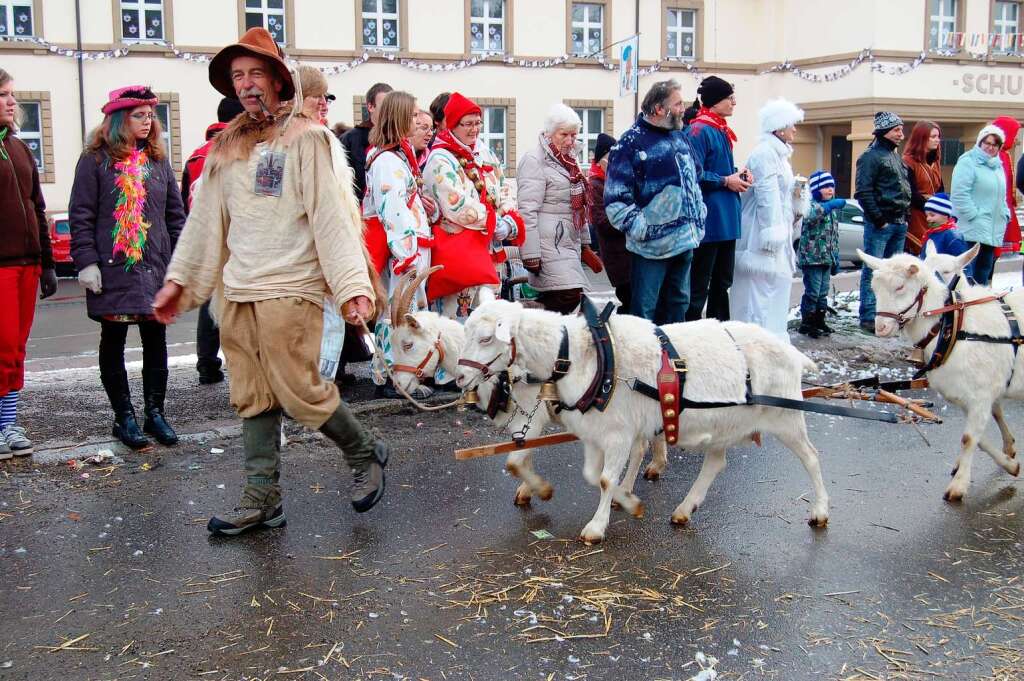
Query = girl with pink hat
x=126 y=214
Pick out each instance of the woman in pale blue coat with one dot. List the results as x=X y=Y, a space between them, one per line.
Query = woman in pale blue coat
x=979 y=200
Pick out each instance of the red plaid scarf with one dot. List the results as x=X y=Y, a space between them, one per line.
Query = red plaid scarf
x=706 y=115
x=579 y=197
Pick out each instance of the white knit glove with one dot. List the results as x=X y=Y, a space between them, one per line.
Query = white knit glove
x=503 y=228
x=91 y=279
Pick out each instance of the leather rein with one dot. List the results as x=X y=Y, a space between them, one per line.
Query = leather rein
x=437 y=347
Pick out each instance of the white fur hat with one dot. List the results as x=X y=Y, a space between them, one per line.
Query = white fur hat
x=780 y=113
x=991 y=130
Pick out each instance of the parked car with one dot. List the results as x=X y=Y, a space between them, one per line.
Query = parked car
x=851 y=233
x=60 y=243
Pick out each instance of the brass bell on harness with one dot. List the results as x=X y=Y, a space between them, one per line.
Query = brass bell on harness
x=470 y=397
x=548 y=392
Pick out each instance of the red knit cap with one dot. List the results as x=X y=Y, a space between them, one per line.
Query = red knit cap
x=457 y=108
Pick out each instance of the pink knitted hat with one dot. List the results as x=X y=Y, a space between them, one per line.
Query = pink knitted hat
x=128 y=98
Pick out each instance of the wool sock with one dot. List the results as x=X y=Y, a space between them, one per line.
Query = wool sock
x=8 y=409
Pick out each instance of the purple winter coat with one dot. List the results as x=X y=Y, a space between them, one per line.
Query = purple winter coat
x=91 y=214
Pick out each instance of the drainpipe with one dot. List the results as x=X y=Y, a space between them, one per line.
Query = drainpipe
x=81 y=76
x=636 y=27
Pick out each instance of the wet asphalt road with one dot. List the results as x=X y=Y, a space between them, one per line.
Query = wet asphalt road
x=113 y=576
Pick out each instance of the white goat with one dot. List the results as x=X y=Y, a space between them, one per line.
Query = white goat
x=976 y=376
x=718 y=358
x=414 y=341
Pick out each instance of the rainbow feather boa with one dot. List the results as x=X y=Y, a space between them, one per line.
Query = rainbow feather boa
x=130 y=227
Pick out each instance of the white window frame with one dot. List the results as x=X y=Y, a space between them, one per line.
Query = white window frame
x=380 y=16
x=1002 y=26
x=587 y=25
x=945 y=23
x=266 y=12
x=675 y=26
x=167 y=135
x=586 y=134
x=486 y=21
x=140 y=7
x=487 y=135
x=35 y=135
x=8 y=7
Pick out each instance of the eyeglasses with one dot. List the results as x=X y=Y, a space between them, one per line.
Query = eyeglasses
x=143 y=116
x=470 y=125
x=990 y=145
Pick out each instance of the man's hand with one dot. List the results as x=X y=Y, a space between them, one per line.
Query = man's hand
x=165 y=305
x=739 y=182
x=47 y=283
x=357 y=309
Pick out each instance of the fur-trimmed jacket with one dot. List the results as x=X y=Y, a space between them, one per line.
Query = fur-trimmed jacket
x=299 y=236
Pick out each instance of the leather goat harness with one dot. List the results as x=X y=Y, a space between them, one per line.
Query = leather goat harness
x=599 y=393
x=438 y=347
x=949 y=328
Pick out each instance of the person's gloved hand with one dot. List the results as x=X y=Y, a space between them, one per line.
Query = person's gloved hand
x=91 y=279
x=591 y=259
x=47 y=283
x=532 y=265
x=502 y=228
x=834 y=204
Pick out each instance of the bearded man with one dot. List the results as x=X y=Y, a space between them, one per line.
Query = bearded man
x=274 y=229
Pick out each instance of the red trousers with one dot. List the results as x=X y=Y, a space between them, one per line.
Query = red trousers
x=18 y=286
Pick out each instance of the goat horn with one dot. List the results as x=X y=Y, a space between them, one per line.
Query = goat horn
x=396 y=310
x=405 y=300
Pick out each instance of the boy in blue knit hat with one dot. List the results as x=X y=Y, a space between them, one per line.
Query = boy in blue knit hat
x=818 y=254
x=942 y=231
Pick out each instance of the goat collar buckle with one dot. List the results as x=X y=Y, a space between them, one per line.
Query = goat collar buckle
x=563 y=363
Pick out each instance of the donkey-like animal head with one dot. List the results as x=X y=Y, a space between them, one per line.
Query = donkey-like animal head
x=490 y=333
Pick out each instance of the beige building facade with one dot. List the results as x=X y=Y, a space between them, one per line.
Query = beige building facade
x=517 y=57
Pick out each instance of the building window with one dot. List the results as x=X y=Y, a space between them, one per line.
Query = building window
x=142 y=21
x=381 y=24
x=681 y=26
x=1006 y=25
x=30 y=131
x=495 y=132
x=587 y=29
x=168 y=113
x=35 y=129
x=952 y=150
x=269 y=14
x=942 y=21
x=16 y=19
x=593 y=125
x=487 y=26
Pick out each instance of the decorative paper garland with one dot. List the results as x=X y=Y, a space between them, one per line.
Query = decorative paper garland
x=810 y=75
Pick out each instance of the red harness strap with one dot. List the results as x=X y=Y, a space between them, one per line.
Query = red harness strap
x=418 y=369
x=670 y=386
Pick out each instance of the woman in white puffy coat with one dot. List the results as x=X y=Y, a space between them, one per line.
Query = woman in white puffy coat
x=765 y=261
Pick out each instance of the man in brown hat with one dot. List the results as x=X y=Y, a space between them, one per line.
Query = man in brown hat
x=273 y=230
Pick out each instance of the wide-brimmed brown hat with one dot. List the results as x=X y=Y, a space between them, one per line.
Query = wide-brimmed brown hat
x=257 y=42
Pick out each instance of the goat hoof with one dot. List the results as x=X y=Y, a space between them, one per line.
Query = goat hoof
x=818 y=521
x=1011 y=453
x=953 y=497
x=1016 y=471
x=590 y=540
x=638 y=512
x=522 y=500
x=616 y=505
x=546 y=492
x=680 y=519
x=652 y=473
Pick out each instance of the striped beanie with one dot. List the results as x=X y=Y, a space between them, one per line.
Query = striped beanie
x=821 y=179
x=939 y=203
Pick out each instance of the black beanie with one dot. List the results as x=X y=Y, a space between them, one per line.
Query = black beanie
x=603 y=146
x=228 y=109
x=712 y=90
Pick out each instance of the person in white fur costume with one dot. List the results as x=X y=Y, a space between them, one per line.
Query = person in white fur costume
x=765 y=261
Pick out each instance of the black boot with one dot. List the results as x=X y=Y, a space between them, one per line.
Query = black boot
x=365 y=456
x=154 y=386
x=126 y=428
x=809 y=326
x=819 y=321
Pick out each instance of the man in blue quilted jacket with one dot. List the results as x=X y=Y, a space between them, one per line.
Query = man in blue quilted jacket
x=653 y=196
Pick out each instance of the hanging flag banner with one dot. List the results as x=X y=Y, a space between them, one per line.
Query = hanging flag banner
x=629 y=67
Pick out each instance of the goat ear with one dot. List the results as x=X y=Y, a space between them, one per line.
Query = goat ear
x=965 y=258
x=871 y=261
x=929 y=249
x=913 y=269
x=505 y=327
x=411 y=321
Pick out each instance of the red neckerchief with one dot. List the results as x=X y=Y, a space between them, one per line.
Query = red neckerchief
x=706 y=115
x=597 y=171
x=941 y=228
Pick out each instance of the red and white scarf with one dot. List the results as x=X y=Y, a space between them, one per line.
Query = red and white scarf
x=579 y=197
x=706 y=115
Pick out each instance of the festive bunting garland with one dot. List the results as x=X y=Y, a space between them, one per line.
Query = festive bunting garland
x=812 y=75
